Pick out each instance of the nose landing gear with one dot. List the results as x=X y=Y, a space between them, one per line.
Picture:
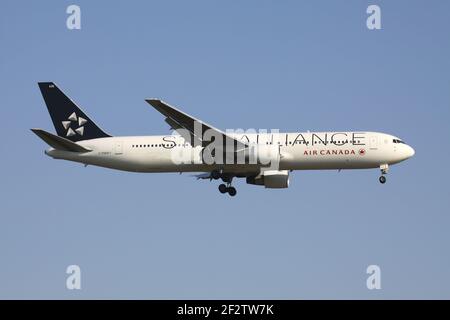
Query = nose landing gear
x=384 y=170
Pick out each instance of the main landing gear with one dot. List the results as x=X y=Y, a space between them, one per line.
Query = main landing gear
x=384 y=170
x=215 y=175
x=224 y=187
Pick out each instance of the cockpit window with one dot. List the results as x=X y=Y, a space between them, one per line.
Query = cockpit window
x=398 y=141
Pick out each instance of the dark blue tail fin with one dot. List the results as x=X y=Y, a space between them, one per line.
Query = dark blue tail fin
x=70 y=121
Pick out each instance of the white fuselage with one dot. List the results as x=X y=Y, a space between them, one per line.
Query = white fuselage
x=298 y=151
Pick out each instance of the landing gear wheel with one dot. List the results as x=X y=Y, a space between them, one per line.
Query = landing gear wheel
x=223 y=188
x=215 y=175
x=232 y=191
x=382 y=179
x=226 y=179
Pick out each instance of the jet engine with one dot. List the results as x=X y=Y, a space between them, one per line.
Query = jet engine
x=274 y=179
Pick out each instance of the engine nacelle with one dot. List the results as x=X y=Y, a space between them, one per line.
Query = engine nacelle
x=274 y=179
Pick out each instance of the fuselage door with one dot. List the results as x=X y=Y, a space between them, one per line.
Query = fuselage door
x=118 y=147
x=373 y=142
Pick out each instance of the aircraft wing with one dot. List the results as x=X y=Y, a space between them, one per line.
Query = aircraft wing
x=190 y=128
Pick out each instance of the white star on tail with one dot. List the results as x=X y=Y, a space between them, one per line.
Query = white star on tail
x=74 y=118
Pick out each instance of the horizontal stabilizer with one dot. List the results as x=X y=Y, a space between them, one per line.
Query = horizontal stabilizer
x=59 y=143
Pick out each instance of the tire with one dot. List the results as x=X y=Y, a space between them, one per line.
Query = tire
x=382 y=179
x=223 y=188
x=215 y=175
x=232 y=191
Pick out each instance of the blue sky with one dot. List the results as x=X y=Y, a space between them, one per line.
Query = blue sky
x=293 y=66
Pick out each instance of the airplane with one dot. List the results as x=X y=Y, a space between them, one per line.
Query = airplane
x=262 y=158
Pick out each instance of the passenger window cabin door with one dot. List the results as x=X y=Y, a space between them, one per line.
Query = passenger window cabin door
x=373 y=142
x=118 y=148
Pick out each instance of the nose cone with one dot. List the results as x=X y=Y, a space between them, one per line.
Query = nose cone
x=409 y=152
